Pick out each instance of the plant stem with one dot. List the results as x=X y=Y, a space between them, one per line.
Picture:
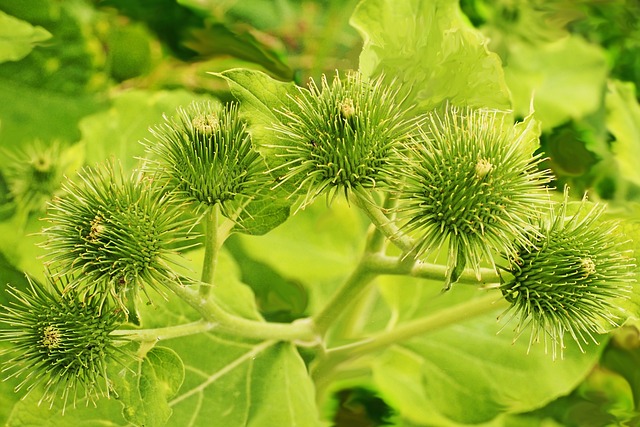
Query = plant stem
x=168 y=332
x=211 y=247
x=328 y=365
x=383 y=264
x=301 y=330
x=383 y=223
x=376 y=240
x=405 y=331
x=345 y=295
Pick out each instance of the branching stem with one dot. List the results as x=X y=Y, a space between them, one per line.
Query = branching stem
x=383 y=264
x=165 y=333
x=441 y=319
x=343 y=297
x=300 y=331
x=327 y=366
x=384 y=223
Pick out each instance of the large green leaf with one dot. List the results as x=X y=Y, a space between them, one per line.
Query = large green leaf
x=219 y=40
x=127 y=123
x=243 y=384
x=470 y=373
x=279 y=298
x=565 y=79
x=317 y=247
x=260 y=96
x=262 y=215
x=18 y=38
x=27 y=413
x=623 y=121
x=431 y=48
x=145 y=388
x=37 y=113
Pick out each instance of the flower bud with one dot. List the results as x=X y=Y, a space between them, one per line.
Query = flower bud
x=58 y=342
x=34 y=175
x=338 y=136
x=207 y=156
x=119 y=233
x=567 y=280
x=467 y=181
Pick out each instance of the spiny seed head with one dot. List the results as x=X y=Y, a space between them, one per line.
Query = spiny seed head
x=119 y=233
x=35 y=174
x=206 y=156
x=338 y=136
x=58 y=342
x=567 y=280
x=467 y=180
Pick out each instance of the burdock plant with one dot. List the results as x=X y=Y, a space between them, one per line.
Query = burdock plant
x=118 y=233
x=206 y=156
x=570 y=277
x=468 y=181
x=35 y=175
x=338 y=136
x=61 y=344
x=463 y=179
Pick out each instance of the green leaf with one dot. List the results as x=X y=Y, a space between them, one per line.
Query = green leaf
x=279 y=298
x=431 y=48
x=243 y=384
x=470 y=373
x=127 y=123
x=259 y=97
x=528 y=131
x=28 y=413
x=318 y=247
x=18 y=38
x=262 y=215
x=145 y=388
x=565 y=78
x=623 y=121
x=9 y=275
x=218 y=40
x=37 y=113
x=20 y=244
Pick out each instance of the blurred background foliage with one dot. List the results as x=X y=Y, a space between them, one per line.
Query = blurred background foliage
x=81 y=81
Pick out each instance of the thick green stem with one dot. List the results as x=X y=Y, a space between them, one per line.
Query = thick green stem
x=443 y=318
x=345 y=295
x=384 y=224
x=211 y=247
x=301 y=330
x=328 y=366
x=383 y=264
x=376 y=240
x=165 y=333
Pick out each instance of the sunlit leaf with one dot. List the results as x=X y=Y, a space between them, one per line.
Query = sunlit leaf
x=18 y=38
x=623 y=121
x=470 y=373
x=145 y=388
x=429 y=47
x=565 y=79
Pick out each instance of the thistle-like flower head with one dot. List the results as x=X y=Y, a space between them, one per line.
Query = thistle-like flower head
x=207 y=156
x=338 y=136
x=58 y=342
x=118 y=233
x=467 y=180
x=568 y=279
x=35 y=174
